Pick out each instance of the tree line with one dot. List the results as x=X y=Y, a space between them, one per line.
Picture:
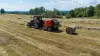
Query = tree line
x=91 y=11
x=46 y=13
x=17 y=12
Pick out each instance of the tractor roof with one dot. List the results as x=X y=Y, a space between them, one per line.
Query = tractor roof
x=37 y=16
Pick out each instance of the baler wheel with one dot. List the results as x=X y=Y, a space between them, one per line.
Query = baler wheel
x=49 y=29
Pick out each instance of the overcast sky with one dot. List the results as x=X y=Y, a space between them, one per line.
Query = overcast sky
x=25 y=5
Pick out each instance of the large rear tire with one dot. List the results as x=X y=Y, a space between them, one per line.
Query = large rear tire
x=36 y=26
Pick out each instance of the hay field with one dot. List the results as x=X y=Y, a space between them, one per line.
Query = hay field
x=16 y=39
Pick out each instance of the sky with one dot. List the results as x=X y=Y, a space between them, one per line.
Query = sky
x=26 y=5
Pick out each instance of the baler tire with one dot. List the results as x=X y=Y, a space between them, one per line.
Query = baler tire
x=56 y=29
x=49 y=29
x=43 y=28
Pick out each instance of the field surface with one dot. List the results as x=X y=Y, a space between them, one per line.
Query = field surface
x=16 y=39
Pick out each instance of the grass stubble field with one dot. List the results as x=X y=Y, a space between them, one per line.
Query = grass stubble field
x=16 y=39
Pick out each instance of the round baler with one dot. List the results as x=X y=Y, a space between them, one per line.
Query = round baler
x=50 y=25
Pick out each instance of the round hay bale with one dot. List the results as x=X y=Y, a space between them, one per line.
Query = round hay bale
x=70 y=30
x=22 y=24
x=18 y=18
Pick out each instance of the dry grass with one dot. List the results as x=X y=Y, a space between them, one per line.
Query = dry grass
x=16 y=39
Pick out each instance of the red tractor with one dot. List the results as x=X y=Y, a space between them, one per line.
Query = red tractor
x=38 y=23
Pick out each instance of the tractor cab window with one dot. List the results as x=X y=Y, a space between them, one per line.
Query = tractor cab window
x=34 y=18
x=37 y=18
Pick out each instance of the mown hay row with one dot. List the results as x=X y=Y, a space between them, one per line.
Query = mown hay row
x=88 y=28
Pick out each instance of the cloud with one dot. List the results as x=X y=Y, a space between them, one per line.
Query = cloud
x=71 y=4
x=19 y=6
x=94 y=2
x=21 y=1
x=48 y=4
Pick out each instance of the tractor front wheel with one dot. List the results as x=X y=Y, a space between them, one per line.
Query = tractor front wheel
x=29 y=25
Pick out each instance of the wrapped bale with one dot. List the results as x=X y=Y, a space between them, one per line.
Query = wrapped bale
x=70 y=30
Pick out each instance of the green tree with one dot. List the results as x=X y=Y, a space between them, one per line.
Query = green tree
x=56 y=11
x=2 y=11
x=42 y=10
x=31 y=11
x=46 y=13
x=72 y=13
x=79 y=12
x=68 y=16
x=90 y=11
x=51 y=14
x=97 y=10
x=37 y=11
x=85 y=12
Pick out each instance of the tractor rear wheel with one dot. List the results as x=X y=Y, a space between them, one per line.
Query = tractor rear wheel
x=36 y=26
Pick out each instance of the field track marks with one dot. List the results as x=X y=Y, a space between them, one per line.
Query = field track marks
x=17 y=49
x=53 y=47
x=42 y=45
x=48 y=48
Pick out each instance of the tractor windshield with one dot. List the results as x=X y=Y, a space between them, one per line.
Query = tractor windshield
x=38 y=18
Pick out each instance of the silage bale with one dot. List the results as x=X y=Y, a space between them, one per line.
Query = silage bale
x=70 y=30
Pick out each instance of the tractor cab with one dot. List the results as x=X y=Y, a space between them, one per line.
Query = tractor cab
x=37 y=17
x=36 y=22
